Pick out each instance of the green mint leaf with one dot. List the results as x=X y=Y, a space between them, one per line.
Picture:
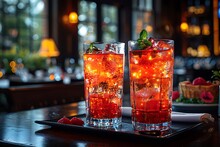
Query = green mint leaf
x=139 y=40
x=91 y=45
x=141 y=45
x=143 y=34
x=147 y=43
x=91 y=48
x=143 y=41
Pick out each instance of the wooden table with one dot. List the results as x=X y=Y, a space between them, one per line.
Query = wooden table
x=19 y=128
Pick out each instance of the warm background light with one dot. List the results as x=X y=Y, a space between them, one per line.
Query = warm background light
x=73 y=17
x=65 y=19
x=1 y=74
x=48 y=48
x=205 y=29
x=203 y=51
x=184 y=27
x=200 y=51
x=149 y=28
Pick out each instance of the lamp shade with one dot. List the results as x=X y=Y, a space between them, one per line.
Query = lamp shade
x=48 y=48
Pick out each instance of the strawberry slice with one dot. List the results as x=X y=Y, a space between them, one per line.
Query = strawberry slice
x=77 y=121
x=175 y=95
x=199 y=81
x=64 y=120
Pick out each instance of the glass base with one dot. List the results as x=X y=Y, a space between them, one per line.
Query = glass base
x=142 y=127
x=104 y=123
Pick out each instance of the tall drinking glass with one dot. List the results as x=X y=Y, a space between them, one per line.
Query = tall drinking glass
x=103 y=79
x=151 y=85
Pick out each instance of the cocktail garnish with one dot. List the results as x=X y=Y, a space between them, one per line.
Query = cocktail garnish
x=143 y=41
x=92 y=48
x=72 y=121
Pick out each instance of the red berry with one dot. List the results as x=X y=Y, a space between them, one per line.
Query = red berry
x=208 y=83
x=207 y=97
x=175 y=95
x=199 y=81
x=77 y=121
x=64 y=120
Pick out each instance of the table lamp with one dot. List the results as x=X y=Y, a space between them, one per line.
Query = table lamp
x=48 y=48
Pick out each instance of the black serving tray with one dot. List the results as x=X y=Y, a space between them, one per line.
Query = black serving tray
x=126 y=130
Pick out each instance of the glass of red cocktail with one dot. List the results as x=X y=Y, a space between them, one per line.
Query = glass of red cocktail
x=151 y=83
x=103 y=79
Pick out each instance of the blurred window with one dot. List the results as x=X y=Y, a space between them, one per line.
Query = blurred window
x=87 y=27
x=143 y=18
x=23 y=23
x=90 y=20
x=109 y=23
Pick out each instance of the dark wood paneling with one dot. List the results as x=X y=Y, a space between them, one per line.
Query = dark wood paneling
x=36 y=96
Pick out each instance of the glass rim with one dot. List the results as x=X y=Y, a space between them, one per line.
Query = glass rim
x=167 y=40
x=119 y=46
x=102 y=42
x=133 y=44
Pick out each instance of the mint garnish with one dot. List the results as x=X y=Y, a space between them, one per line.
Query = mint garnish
x=91 y=48
x=143 y=41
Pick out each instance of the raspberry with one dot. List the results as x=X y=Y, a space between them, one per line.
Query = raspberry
x=207 y=97
x=64 y=120
x=199 y=81
x=77 y=121
x=175 y=95
x=208 y=83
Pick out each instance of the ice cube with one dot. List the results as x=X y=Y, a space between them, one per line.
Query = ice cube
x=148 y=93
x=103 y=86
x=161 y=45
x=110 y=48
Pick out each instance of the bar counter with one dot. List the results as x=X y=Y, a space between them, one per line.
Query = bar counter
x=20 y=129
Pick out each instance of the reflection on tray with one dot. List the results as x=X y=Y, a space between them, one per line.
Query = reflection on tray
x=126 y=129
